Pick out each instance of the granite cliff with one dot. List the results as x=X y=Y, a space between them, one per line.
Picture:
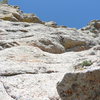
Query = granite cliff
x=35 y=55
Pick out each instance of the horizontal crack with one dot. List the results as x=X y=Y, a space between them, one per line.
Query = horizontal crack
x=50 y=71
x=15 y=74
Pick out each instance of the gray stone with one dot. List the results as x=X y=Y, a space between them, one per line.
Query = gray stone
x=12 y=13
x=35 y=55
x=83 y=85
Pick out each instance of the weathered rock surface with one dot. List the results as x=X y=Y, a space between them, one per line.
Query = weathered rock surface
x=80 y=86
x=12 y=13
x=83 y=83
x=28 y=72
x=93 y=26
x=4 y=95
x=51 y=24
x=53 y=40
x=93 y=29
x=35 y=56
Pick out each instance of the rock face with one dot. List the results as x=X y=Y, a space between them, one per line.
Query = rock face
x=93 y=26
x=3 y=93
x=12 y=13
x=49 y=39
x=83 y=83
x=93 y=29
x=82 y=86
x=35 y=55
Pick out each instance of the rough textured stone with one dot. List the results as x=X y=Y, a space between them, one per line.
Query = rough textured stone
x=35 y=56
x=93 y=26
x=49 y=39
x=12 y=13
x=28 y=72
x=51 y=24
x=4 y=95
x=80 y=86
x=84 y=82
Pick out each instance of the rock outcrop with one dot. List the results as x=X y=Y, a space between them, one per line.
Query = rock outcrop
x=84 y=82
x=93 y=29
x=49 y=39
x=80 y=86
x=12 y=13
x=35 y=55
x=93 y=26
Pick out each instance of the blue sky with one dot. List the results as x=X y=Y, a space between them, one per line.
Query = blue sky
x=72 y=13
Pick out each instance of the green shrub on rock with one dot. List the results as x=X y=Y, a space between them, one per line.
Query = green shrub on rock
x=86 y=63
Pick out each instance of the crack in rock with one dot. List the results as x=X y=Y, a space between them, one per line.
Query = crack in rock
x=14 y=74
x=12 y=97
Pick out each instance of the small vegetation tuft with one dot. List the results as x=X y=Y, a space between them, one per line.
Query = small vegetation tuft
x=86 y=63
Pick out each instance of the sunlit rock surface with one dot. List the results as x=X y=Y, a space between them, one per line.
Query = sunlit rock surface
x=84 y=82
x=35 y=55
x=12 y=13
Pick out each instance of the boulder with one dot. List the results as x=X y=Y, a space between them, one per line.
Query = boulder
x=81 y=85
